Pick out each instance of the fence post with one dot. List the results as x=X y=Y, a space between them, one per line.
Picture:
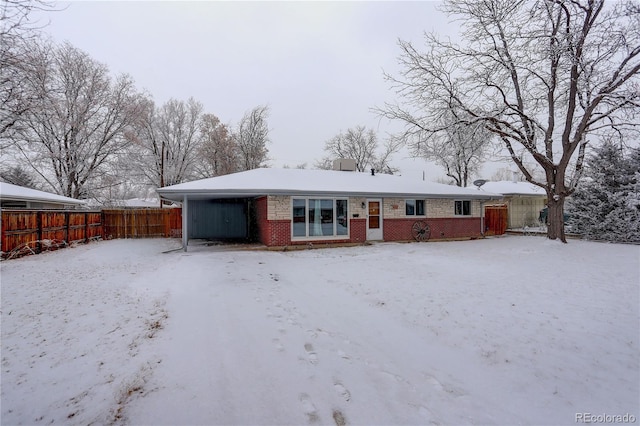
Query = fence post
x=67 y=230
x=39 y=232
x=167 y=223
x=86 y=227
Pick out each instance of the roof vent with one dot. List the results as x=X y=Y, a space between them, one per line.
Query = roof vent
x=344 y=164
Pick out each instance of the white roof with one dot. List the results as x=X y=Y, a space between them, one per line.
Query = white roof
x=506 y=187
x=315 y=182
x=12 y=192
x=136 y=202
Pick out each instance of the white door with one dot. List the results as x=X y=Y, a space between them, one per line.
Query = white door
x=374 y=219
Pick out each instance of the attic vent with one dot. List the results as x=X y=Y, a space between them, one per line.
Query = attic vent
x=344 y=164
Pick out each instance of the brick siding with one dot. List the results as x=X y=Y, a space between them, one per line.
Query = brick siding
x=440 y=228
x=273 y=218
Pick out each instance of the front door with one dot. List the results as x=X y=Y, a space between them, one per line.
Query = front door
x=374 y=220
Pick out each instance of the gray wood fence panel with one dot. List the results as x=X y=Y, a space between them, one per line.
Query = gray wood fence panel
x=217 y=219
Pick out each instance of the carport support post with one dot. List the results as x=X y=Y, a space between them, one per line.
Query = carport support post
x=185 y=216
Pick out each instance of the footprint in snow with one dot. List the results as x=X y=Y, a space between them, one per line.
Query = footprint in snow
x=342 y=391
x=309 y=408
x=311 y=355
x=338 y=418
x=278 y=344
x=443 y=388
x=342 y=354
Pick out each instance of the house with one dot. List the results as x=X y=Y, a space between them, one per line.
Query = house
x=524 y=201
x=18 y=197
x=284 y=207
x=134 y=203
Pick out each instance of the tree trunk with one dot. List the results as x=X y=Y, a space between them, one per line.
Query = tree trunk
x=556 y=219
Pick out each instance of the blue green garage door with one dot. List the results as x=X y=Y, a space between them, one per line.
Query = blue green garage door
x=217 y=219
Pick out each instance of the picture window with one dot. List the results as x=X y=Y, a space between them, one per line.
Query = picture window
x=320 y=217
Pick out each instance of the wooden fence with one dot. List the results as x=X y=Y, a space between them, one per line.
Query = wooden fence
x=142 y=223
x=495 y=219
x=36 y=231
x=28 y=231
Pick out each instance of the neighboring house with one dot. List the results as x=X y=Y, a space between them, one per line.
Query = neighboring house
x=282 y=207
x=18 y=197
x=134 y=203
x=524 y=201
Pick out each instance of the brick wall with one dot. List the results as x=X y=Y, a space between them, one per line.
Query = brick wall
x=261 y=220
x=440 y=228
x=444 y=208
x=355 y=206
x=394 y=208
x=358 y=231
x=279 y=207
x=273 y=217
x=272 y=232
x=279 y=232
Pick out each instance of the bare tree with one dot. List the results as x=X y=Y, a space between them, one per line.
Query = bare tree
x=17 y=61
x=218 y=151
x=299 y=166
x=543 y=76
x=16 y=175
x=79 y=120
x=360 y=144
x=167 y=141
x=15 y=16
x=460 y=148
x=252 y=136
x=506 y=173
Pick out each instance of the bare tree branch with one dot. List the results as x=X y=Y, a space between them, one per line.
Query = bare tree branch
x=557 y=75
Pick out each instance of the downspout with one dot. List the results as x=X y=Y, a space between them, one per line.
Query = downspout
x=185 y=221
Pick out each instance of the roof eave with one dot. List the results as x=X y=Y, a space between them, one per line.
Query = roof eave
x=178 y=195
x=40 y=200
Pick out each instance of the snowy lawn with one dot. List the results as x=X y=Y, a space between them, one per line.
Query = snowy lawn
x=512 y=330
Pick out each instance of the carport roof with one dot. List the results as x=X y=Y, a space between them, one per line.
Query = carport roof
x=266 y=181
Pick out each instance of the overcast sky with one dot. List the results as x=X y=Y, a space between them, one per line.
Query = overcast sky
x=317 y=65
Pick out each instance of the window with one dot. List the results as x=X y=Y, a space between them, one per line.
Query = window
x=319 y=217
x=463 y=208
x=299 y=214
x=414 y=207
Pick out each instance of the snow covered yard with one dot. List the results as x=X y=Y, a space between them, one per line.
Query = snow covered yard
x=512 y=330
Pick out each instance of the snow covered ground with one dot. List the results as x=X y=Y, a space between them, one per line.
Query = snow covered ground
x=511 y=330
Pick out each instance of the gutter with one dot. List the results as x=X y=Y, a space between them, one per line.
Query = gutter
x=205 y=194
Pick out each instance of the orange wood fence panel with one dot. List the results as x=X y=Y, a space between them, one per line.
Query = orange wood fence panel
x=35 y=228
x=142 y=223
x=32 y=229
x=495 y=219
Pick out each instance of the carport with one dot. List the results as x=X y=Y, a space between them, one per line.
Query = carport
x=212 y=215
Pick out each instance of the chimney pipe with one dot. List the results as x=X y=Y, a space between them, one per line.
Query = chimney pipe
x=373 y=172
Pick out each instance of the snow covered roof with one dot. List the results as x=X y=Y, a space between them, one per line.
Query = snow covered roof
x=136 y=203
x=12 y=192
x=506 y=187
x=316 y=182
